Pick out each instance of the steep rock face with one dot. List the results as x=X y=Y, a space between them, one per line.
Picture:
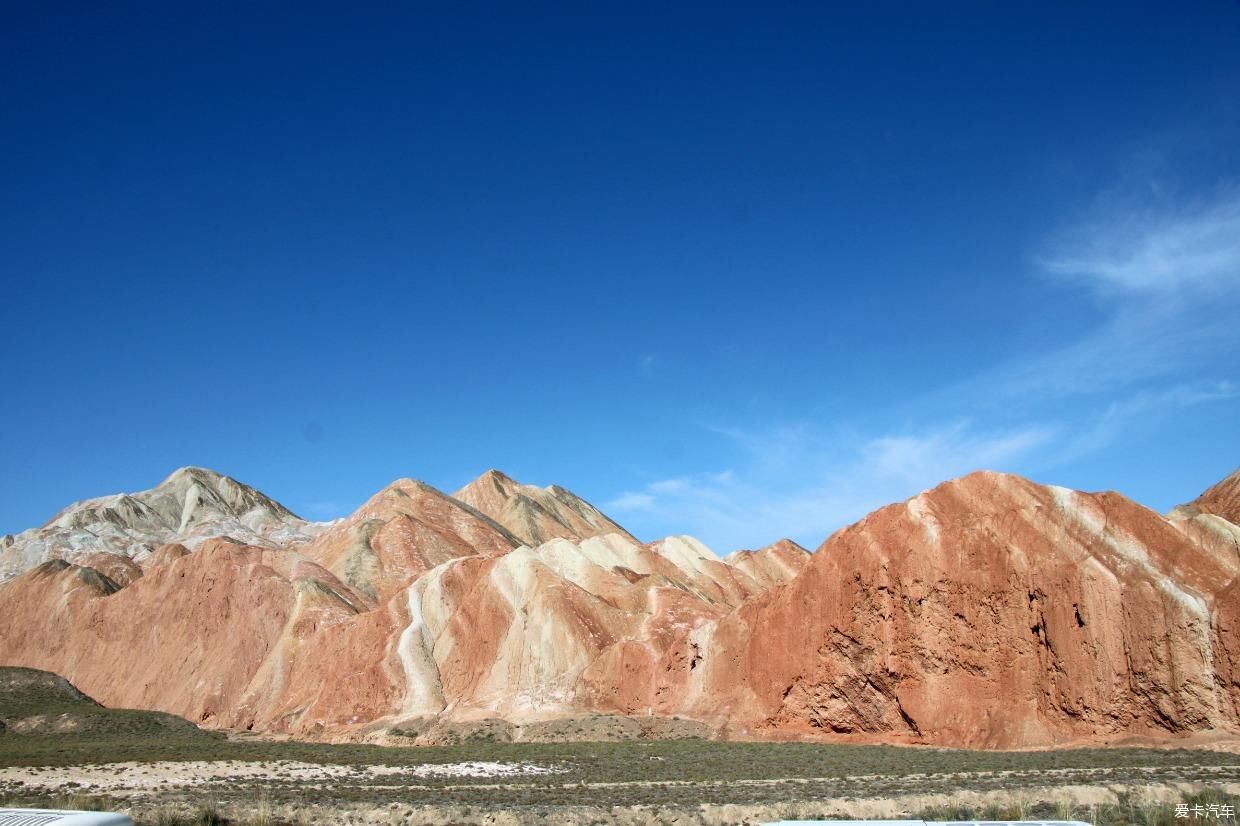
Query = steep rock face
x=1222 y=500
x=403 y=531
x=990 y=612
x=191 y=505
x=535 y=515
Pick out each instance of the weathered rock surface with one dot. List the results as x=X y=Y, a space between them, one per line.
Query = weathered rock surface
x=268 y=639
x=204 y=637
x=773 y=565
x=168 y=552
x=990 y=612
x=987 y=612
x=190 y=506
x=402 y=532
x=535 y=515
x=120 y=569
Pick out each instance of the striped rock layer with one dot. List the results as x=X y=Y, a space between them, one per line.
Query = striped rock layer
x=988 y=612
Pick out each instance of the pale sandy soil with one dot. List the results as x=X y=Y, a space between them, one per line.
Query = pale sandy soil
x=122 y=778
x=131 y=777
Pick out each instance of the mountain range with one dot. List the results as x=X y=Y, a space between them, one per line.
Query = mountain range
x=988 y=612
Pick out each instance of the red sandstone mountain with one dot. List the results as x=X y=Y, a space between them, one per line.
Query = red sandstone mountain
x=604 y=625
x=992 y=612
x=989 y=612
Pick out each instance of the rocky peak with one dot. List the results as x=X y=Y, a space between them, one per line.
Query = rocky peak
x=536 y=515
x=191 y=504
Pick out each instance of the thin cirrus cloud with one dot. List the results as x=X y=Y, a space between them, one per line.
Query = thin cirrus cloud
x=1154 y=250
x=1168 y=278
x=753 y=504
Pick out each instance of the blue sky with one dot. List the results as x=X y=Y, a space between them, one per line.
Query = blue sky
x=736 y=272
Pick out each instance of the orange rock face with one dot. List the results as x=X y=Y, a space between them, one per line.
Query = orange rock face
x=991 y=612
x=120 y=569
x=162 y=555
x=191 y=637
x=988 y=612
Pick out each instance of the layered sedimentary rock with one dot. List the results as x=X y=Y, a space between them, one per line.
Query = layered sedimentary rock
x=205 y=637
x=989 y=611
x=190 y=506
x=267 y=639
x=776 y=564
x=403 y=531
x=535 y=515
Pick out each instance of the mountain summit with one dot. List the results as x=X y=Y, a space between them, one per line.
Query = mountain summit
x=536 y=515
x=190 y=505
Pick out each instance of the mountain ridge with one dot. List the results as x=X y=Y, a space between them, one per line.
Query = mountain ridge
x=536 y=515
x=989 y=612
x=189 y=505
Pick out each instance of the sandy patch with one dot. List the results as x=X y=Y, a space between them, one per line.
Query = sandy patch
x=114 y=777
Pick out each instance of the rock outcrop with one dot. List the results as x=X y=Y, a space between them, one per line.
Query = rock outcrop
x=246 y=637
x=191 y=505
x=990 y=612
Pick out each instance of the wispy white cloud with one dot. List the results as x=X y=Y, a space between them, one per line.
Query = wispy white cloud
x=802 y=483
x=1139 y=411
x=1168 y=280
x=931 y=457
x=1162 y=250
x=631 y=501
